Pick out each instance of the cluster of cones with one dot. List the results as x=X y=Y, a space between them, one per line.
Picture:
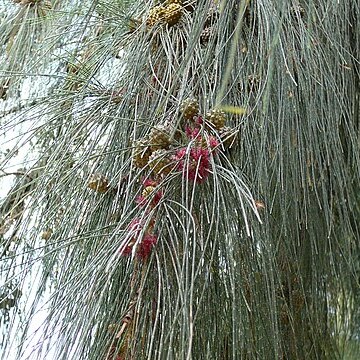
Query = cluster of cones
x=165 y=152
x=199 y=138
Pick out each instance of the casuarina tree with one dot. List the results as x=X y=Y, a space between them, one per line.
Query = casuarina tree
x=180 y=179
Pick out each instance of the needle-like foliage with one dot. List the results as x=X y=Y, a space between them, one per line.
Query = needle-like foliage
x=189 y=182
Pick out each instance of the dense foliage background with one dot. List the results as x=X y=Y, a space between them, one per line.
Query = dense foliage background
x=180 y=179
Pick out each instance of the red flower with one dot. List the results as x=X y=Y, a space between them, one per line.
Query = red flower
x=192 y=133
x=149 y=196
x=141 y=200
x=144 y=248
x=196 y=166
x=127 y=250
x=134 y=229
x=135 y=226
x=154 y=199
x=180 y=154
x=149 y=182
x=199 y=120
x=213 y=142
x=157 y=197
x=146 y=245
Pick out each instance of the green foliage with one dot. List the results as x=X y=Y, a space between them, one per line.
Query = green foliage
x=258 y=258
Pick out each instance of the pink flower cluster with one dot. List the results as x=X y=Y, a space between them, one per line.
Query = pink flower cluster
x=138 y=235
x=144 y=247
x=194 y=161
x=195 y=165
x=152 y=199
x=194 y=134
